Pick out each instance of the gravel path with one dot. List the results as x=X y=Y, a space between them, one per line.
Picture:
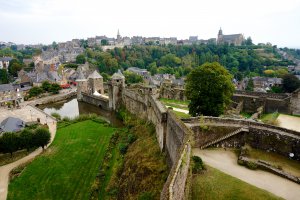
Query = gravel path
x=289 y=122
x=25 y=115
x=226 y=161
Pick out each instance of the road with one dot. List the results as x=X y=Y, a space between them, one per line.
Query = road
x=226 y=161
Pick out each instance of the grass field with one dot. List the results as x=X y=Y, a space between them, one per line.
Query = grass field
x=215 y=185
x=69 y=166
x=288 y=165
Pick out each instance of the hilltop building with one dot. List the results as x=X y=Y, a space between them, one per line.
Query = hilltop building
x=236 y=39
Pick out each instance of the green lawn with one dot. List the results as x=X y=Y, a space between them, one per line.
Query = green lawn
x=270 y=118
x=69 y=166
x=173 y=101
x=215 y=185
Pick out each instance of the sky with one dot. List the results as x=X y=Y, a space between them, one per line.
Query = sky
x=45 y=21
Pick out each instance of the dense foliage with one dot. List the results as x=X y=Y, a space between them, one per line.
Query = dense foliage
x=290 y=83
x=46 y=87
x=209 y=88
x=181 y=59
x=131 y=77
x=26 y=139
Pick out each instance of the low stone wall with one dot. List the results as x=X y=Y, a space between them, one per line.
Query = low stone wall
x=53 y=98
x=261 y=136
x=262 y=94
x=98 y=101
x=268 y=167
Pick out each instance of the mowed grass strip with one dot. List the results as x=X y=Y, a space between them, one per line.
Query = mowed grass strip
x=68 y=168
x=216 y=185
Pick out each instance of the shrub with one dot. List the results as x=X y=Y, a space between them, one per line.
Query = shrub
x=56 y=116
x=251 y=165
x=123 y=148
x=131 y=138
x=198 y=165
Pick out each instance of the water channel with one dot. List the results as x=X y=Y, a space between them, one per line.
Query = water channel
x=72 y=108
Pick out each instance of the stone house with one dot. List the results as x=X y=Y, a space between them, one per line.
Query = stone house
x=4 y=62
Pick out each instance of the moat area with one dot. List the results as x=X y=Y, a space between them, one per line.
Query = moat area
x=72 y=108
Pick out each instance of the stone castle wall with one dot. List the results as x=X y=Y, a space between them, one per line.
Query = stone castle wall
x=260 y=136
x=98 y=101
x=171 y=133
x=283 y=103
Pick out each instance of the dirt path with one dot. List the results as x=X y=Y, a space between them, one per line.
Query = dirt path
x=226 y=162
x=5 y=169
x=289 y=122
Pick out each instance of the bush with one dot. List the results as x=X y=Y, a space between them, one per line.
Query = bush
x=251 y=165
x=198 y=165
x=131 y=138
x=56 y=116
x=123 y=148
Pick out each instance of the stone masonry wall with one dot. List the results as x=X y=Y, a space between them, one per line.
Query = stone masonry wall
x=172 y=136
x=95 y=100
x=261 y=136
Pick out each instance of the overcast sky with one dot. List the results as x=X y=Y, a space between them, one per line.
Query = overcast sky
x=44 y=21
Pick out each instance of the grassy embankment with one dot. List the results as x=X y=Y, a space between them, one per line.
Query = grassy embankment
x=67 y=169
x=216 y=185
x=288 y=165
x=270 y=118
x=138 y=168
x=177 y=104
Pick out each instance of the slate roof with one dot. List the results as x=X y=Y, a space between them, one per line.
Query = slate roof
x=12 y=124
x=94 y=75
x=80 y=76
x=6 y=87
x=118 y=75
x=6 y=59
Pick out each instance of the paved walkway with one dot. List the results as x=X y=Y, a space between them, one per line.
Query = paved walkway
x=179 y=110
x=226 y=161
x=27 y=114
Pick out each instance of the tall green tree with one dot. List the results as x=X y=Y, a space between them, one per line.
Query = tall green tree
x=3 y=76
x=9 y=143
x=210 y=88
x=290 y=83
x=41 y=137
x=80 y=59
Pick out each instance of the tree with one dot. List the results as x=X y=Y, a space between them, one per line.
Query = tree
x=250 y=85
x=131 y=77
x=26 y=139
x=3 y=76
x=35 y=91
x=80 y=59
x=249 y=41
x=46 y=86
x=9 y=143
x=54 y=88
x=210 y=88
x=104 y=42
x=290 y=83
x=41 y=137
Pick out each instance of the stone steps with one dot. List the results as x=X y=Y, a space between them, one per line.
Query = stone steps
x=242 y=129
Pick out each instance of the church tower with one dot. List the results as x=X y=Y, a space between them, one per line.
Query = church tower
x=119 y=38
x=220 y=36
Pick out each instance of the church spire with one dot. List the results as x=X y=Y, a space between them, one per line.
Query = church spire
x=220 y=31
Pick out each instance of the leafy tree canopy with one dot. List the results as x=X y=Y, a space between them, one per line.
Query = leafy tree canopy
x=210 y=88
